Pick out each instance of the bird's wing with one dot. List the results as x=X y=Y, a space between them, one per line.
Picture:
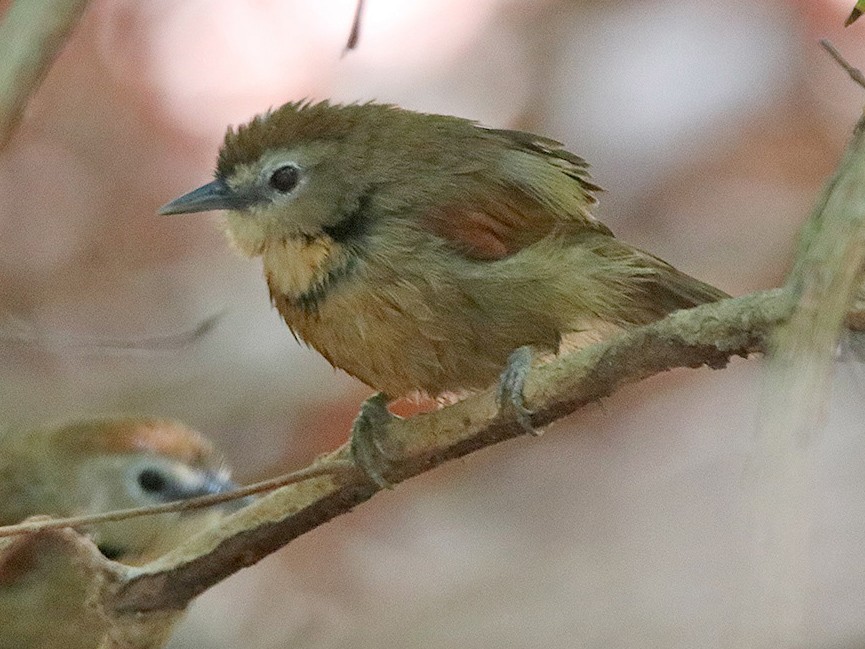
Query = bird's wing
x=534 y=188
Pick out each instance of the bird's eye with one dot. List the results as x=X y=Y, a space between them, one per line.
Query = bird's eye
x=285 y=178
x=151 y=481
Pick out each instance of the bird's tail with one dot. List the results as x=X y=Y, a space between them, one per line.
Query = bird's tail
x=655 y=288
x=671 y=289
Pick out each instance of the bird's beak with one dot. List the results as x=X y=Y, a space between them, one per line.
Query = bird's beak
x=214 y=483
x=215 y=195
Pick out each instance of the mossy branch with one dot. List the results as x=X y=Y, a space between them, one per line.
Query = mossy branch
x=137 y=599
x=708 y=335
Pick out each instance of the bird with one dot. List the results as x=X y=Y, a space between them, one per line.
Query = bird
x=99 y=464
x=87 y=466
x=428 y=254
x=49 y=599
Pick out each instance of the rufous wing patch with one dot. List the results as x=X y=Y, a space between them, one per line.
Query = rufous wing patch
x=490 y=228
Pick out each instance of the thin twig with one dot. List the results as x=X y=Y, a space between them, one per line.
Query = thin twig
x=855 y=73
x=25 y=334
x=354 y=34
x=328 y=467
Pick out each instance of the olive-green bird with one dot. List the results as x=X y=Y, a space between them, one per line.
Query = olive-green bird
x=425 y=253
x=89 y=466
x=85 y=467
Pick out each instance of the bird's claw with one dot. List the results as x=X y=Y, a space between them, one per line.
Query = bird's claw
x=366 y=439
x=511 y=383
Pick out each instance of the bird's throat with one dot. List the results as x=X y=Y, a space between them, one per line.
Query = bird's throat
x=294 y=266
x=304 y=271
x=300 y=268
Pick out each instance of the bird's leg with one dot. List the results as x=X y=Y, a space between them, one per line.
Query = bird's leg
x=366 y=438
x=511 y=383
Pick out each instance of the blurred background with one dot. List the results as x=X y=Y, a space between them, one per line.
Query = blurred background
x=712 y=126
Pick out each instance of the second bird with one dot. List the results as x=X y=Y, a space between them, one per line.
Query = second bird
x=425 y=253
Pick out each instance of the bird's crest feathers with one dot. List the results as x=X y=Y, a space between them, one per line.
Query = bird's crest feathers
x=163 y=437
x=291 y=124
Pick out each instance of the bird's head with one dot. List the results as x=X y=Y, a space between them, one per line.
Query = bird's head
x=290 y=173
x=107 y=464
x=318 y=171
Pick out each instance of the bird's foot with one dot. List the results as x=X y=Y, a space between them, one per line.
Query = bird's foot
x=366 y=439
x=511 y=383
